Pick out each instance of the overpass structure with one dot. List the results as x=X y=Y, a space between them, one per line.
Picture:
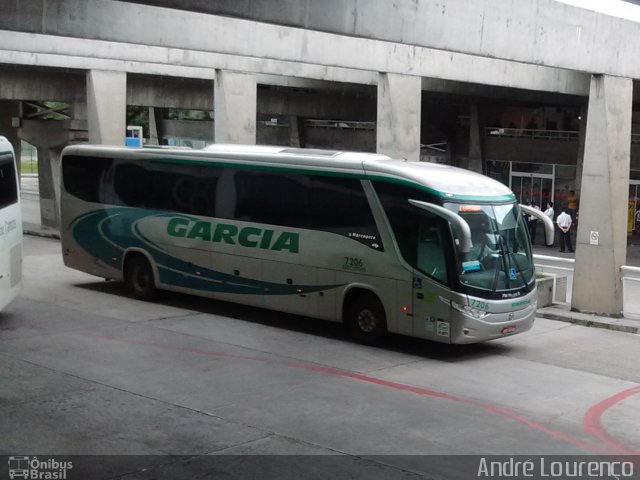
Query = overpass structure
x=381 y=63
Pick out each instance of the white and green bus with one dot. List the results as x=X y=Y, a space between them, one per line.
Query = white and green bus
x=10 y=226
x=382 y=245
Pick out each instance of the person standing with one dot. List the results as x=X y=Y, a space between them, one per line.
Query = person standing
x=533 y=223
x=549 y=213
x=564 y=224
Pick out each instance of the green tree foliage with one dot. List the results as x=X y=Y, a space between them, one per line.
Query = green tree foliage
x=139 y=115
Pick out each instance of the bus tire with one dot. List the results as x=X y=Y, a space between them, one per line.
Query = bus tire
x=366 y=320
x=139 y=278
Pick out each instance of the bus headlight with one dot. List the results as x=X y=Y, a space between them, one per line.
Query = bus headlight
x=469 y=311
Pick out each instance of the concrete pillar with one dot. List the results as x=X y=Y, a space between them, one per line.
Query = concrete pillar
x=48 y=184
x=597 y=287
x=474 y=162
x=153 y=127
x=398 y=125
x=79 y=109
x=582 y=136
x=294 y=132
x=107 y=107
x=159 y=122
x=49 y=138
x=235 y=105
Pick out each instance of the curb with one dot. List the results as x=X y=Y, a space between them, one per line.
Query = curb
x=594 y=323
x=40 y=233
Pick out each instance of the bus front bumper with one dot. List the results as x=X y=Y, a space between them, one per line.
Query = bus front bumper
x=465 y=329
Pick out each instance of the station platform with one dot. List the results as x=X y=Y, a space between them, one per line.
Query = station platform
x=633 y=250
x=563 y=313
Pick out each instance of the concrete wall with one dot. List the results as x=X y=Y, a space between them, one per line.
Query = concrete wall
x=542 y=32
x=341 y=139
x=39 y=85
x=91 y=33
x=358 y=104
x=188 y=94
x=355 y=105
x=526 y=150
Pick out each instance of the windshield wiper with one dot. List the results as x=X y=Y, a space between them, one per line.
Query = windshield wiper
x=501 y=250
x=512 y=260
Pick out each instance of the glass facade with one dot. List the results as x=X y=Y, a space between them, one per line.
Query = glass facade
x=565 y=182
x=633 y=212
x=540 y=183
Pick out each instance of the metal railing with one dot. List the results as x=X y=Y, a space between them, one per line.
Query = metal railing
x=271 y=123
x=340 y=124
x=434 y=148
x=630 y=291
x=556 y=267
x=562 y=135
x=559 y=267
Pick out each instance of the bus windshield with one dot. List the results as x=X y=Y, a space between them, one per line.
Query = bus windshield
x=500 y=258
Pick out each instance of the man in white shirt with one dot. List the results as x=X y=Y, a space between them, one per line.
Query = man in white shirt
x=564 y=224
x=549 y=213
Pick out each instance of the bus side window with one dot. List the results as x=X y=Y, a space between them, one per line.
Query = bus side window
x=8 y=187
x=189 y=189
x=225 y=196
x=340 y=206
x=431 y=254
x=422 y=237
x=272 y=198
x=85 y=177
x=131 y=184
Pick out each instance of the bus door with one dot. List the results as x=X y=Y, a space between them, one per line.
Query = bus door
x=431 y=295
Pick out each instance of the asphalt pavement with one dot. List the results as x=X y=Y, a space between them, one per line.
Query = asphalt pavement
x=86 y=369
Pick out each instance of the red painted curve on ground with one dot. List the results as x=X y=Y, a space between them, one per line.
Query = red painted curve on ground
x=483 y=406
x=592 y=422
x=613 y=447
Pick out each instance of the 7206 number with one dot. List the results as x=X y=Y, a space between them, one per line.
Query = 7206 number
x=353 y=263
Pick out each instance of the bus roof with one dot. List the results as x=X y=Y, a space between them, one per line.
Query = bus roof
x=5 y=145
x=442 y=180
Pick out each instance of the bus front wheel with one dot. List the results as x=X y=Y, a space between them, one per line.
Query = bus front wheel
x=139 y=278
x=366 y=320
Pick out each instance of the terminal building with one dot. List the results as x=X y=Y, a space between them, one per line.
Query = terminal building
x=541 y=95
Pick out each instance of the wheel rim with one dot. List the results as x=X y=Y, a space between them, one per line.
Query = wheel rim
x=367 y=321
x=142 y=279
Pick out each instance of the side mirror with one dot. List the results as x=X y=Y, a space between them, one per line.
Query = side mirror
x=461 y=229
x=548 y=224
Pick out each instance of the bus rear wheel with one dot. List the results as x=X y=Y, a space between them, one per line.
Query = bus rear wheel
x=139 y=278
x=366 y=320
